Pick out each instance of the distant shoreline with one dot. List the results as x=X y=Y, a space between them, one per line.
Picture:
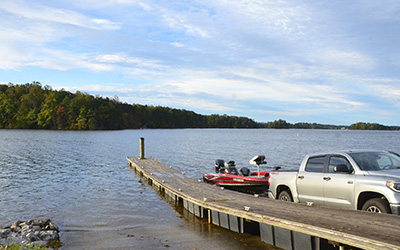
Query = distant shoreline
x=32 y=106
x=99 y=130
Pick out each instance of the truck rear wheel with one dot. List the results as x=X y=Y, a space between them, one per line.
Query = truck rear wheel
x=285 y=196
x=376 y=205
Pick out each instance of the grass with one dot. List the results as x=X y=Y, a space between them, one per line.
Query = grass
x=18 y=247
x=51 y=245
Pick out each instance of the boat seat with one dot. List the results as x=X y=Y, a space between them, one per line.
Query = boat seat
x=232 y=170
x=230 y=167
x=245 y=171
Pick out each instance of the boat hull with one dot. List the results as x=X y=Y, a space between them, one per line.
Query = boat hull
x=253 y=184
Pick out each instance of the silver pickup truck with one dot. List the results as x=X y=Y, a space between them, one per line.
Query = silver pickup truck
x=363 y=180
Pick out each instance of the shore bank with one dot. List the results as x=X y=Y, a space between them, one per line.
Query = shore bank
x=30 y=233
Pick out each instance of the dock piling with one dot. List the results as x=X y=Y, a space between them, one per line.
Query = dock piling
x=141 y=148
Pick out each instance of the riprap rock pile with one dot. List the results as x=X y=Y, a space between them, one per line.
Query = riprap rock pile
x=29 y=233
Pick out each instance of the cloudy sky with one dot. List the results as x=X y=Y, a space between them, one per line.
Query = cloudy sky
x=332 y=62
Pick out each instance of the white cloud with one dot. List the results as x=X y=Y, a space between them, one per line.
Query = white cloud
x=48 y=14
x=146 y=94
x=346 y=59
x=10 y=57
x=391 y=93
x=282 y=15
x=265 y=19
x=184 y=21
x=105 y=88
x=176 y=44
x=268 y=91
x=124 y=61
x=95 y=4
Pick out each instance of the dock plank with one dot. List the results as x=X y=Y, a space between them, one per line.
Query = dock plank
x=354 y=228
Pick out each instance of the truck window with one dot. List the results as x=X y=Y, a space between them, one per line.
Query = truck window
x=315 y=164
x=384 y=161
x=376 y=161
x=338 y=160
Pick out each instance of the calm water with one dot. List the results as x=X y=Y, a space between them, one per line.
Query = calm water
x=82 y=182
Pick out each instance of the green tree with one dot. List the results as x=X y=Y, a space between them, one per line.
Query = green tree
x=47 y=117
x=279 y=124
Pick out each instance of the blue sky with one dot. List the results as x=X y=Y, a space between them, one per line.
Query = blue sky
x=331 y=62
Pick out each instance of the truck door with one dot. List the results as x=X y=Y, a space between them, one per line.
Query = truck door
x=339 y=186
x=310 y=181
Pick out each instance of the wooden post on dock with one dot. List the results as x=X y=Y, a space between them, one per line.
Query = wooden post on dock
x=141 y=148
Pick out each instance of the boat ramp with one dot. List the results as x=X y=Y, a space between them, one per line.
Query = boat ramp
x=282 y=224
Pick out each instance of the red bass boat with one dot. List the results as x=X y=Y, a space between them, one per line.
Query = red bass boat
x=246 y=181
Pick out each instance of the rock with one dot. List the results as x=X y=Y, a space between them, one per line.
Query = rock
x=31 y=233
x=24 y=227
x=15 y=226
x=6 y=243
x=29 y=222
x=31 y=236
x=45 y=222
x=4 y=233
x=16 y=223
x=16 y=240
x=25 y=231
x=24 y=243
x=49 y=235
x=3 y=242
x=51 y=226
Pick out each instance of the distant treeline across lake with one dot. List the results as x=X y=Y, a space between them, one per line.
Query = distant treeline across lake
x=33 y=106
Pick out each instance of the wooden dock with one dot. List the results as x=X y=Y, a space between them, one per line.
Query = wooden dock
x=282 y=224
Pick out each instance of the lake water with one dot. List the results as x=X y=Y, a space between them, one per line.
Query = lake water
x=81 y=180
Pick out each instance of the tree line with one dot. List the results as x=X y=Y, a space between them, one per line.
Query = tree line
x=282 y=124
x=371 y=126
x=33 y=106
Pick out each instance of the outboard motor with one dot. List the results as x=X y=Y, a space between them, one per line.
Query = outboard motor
x=219 y=166
x=230 y=167
x=245 y=171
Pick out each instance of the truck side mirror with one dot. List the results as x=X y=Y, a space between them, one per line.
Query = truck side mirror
x=341 y=168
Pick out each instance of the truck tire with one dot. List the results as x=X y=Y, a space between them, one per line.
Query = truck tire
x=285 y=196
x=376 y=205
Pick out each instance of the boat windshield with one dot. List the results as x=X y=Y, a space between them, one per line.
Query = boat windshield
x=376 y=161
